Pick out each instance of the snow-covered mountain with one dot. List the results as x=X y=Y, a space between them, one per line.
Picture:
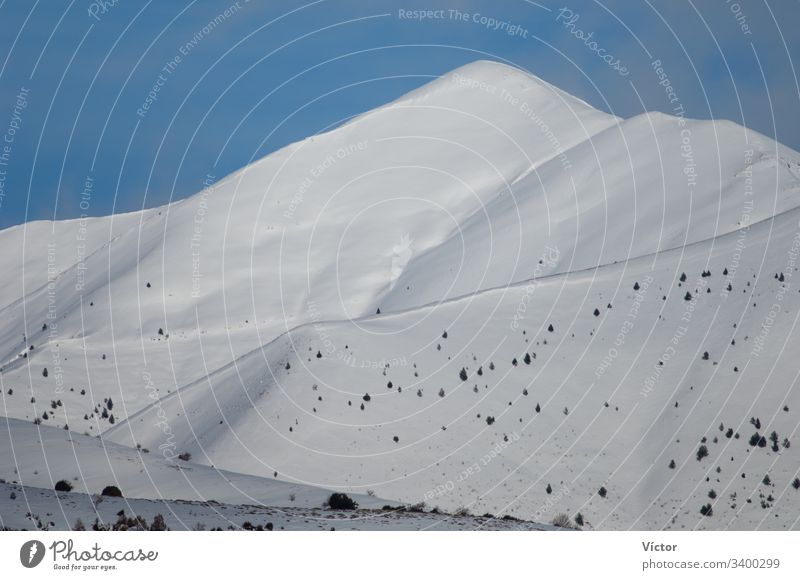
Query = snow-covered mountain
x=311 y=314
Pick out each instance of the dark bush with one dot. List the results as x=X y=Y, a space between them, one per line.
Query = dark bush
x=341 y=501
x=63 y=485
x=111 y=491
x=562 y=521
x=158 y=525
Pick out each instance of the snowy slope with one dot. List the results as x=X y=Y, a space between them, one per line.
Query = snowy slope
x=460 y=186
x=306 y=421
x=646 y=184
x=38 y=456
x=438 y=209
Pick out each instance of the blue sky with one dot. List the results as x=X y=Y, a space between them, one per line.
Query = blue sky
x=270 y=73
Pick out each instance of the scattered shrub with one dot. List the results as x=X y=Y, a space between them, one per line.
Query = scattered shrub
x=63 y=485
x=158 y=525
x=341 y=501
x=111 y=491
x=562 y=520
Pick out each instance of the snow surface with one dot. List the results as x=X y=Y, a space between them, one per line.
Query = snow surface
x=487 y=204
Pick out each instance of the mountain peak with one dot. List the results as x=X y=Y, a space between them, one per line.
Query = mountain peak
x=489 y=78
